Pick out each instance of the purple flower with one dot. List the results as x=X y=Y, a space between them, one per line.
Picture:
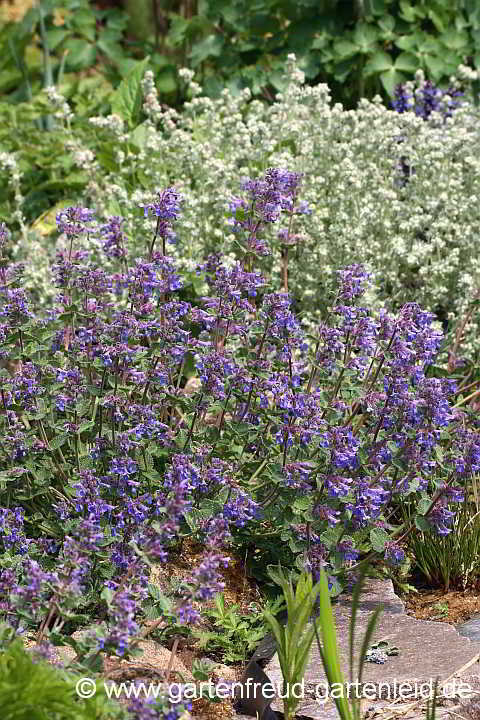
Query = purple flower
x=203 y=584
x=441 y=518
x=74 y=221
x=347 y=551
x=353 y=282
x=112 y=231
x=403 y=101
x=166 y=206
x=241 y=509
x=394 y=554
x=11 y=530
x=323 y=512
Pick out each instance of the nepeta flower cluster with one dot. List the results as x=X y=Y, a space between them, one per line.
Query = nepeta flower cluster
x=132 y=417
x=426 y=99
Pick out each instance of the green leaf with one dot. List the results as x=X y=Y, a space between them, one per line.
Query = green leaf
x=166 y=81
x=421 y=523
x=374 y=7
x=58 y=441
x=211 y=46
x=410 y=12
x=81 y=54
x=454 y=40
x=436 y=20
x=387 y=23
x=406 y=62
x=379 y=537
x=435 y=65
x=345 y=49
x=407 y=42
x=391 y=79
x=365 y=36
x=56 y=36
x=380 y=62
x=423 y=505
x=127 y=99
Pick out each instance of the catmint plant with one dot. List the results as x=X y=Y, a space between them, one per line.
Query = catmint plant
x=111 y=457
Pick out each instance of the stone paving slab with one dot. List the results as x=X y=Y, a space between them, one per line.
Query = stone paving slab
x=427 y=650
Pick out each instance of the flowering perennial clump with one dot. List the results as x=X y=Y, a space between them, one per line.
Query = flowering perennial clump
x=110 y=452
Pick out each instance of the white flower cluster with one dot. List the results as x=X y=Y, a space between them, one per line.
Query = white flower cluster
x=390 y=190
x=151 y=106
x=187 y=76
x=59 y=102
x=9 y=165
x=114 y=123
x=84 y=158
x=467 y=73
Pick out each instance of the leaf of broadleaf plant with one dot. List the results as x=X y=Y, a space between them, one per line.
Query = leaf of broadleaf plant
x=406 y=62
x=380 y=62
x=391 y=79
x=127 y=99
x=211 y=46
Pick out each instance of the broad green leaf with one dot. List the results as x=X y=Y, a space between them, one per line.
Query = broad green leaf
x=81 y=54
x=406 y=62
x=56 y=36
x=436 y=20
x=423 y=505
x=387 y=23
x=421 y=523
x=379 y=537
x=58 y=441
x=166 y=82
x=140 y=135
x=391 y=79
x=435 y=66
x=374 y=7
x=380 y=62
x=211 y=46
x=454 y=40
x=365 y=36
x=127 y=99
x=408 y=42
x=345 y=49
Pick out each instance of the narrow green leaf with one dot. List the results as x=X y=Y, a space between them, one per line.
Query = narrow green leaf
x=366 y=641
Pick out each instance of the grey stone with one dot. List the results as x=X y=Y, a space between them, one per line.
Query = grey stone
x=427 y=650
x=470 y=629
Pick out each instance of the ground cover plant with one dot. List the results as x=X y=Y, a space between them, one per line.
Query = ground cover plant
x=112 y=455
x=394 y=190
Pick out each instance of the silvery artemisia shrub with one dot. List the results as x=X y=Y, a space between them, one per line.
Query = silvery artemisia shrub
x=106 y=458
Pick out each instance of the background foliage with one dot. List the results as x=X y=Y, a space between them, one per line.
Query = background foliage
x=359 y=48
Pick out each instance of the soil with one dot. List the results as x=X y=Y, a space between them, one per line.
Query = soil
x=454 y=607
